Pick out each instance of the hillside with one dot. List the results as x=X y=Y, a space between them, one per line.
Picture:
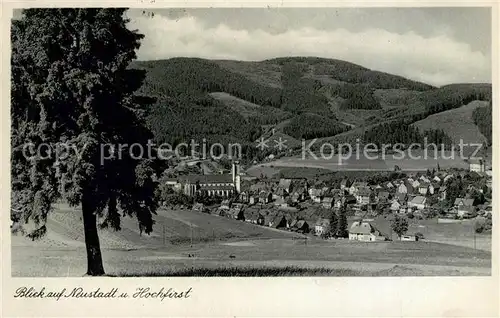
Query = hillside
x=262 y=115
x=304 y=97
x=456 y=123
x=65 y=230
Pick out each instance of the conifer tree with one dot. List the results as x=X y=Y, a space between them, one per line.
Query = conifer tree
x=71 y=85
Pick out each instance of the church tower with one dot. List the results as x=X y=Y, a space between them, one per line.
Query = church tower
x=235 y=172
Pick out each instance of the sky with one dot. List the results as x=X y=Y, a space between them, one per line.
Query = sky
x=437 y=46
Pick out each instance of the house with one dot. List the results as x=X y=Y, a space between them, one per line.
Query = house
x=299 y=225
x=365 y=231
x=225 y=204
x=244 y=197
x=363 y=195
x=265 y=197
x=415 y=184
x=279 y=221
x=315 y=195
x=345 y=184
x=348 y=199
x=401 y=197
x=466 y=212
x=269 y=216
x=404 y=209
x=354 y=188
x=253 y=199
x=476 y=165
x=322 y=226
x=299 y=194
x=254 y=217
x=436 y=178
x=448 y=177
x=463 y=207
x=418 y=202
x=383 y=196
x=442 y=193
x=424 y=179
x=395 y=205
x=423 y=188
x=281 y=202
x=236 y=212
x=402 y=188
x=198 y=207
x=328 y=202
x=413 y=238
x=389 y=185
x=337 y=201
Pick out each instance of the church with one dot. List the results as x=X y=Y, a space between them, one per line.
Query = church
x=222 y=185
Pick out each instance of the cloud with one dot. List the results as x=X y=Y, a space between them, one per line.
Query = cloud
x=436 y=60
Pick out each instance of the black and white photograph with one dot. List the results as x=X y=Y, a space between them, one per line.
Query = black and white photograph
x=251 y=142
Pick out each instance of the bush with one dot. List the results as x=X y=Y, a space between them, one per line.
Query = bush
x=479 y=227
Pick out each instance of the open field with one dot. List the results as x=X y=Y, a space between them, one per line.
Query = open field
x=418 y=161
x=222 y=246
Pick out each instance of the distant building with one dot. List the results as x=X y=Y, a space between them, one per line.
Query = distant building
x=365 y=231
x=223 y=185
x=363 y=195
x=423 y=188
x=322 y=225
x=328 y=202
x=464 y=207
x=476 y=165
x=418 y=202
x=356 y=186
x=413 y=238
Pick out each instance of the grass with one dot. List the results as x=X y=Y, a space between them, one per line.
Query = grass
x=457 y=123
x=260 y=114
x=246 y=271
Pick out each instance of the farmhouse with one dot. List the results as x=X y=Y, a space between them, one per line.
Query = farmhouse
x=365 y=231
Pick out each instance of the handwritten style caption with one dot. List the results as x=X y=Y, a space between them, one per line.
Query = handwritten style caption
x=79 y=292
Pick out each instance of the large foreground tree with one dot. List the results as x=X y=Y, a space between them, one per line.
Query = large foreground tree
x=71 y=86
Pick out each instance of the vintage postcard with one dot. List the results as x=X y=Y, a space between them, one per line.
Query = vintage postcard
x=207 y=159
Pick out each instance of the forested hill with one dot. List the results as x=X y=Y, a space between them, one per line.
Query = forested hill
x=230 y=101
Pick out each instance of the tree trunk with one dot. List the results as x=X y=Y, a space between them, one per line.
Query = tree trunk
x=94 y=258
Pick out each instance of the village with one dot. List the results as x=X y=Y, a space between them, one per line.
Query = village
x=310 y=206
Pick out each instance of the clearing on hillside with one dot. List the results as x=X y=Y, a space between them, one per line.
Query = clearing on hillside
x=456 y=123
